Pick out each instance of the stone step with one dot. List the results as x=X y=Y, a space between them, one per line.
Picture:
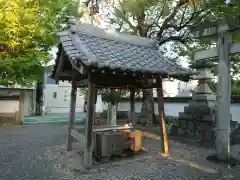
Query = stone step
x=195 y=103
x=204 y=97
x=199 y=109
x=195 y=117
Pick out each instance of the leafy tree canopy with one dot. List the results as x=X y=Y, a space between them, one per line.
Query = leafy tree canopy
x=27 y=33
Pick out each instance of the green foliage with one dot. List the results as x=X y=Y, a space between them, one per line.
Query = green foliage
x=112 y=96
x=138 y=16
x=27 y=33
x=235 y=88
x=232 y=8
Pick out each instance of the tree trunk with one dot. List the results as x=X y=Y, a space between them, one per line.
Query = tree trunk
x=112 y=114
x=147 y=110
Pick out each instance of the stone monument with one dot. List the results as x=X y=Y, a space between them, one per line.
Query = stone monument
x=199 y=118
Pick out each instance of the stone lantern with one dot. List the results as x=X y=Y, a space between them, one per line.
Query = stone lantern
x=198 y=118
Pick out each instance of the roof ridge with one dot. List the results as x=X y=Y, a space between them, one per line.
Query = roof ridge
x=95 y=31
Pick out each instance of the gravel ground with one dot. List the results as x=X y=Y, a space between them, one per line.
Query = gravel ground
x=22 y=150
x=36 y=152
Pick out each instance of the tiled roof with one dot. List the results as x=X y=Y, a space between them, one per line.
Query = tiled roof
x=96 y=47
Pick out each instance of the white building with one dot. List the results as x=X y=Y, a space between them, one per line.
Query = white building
x=178 y=88
x=56 y=97
x=9 y=100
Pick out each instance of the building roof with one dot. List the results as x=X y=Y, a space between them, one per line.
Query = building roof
x=92 y=46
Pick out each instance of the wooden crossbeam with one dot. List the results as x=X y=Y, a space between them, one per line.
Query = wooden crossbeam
x=213 y=52
x=80 y=137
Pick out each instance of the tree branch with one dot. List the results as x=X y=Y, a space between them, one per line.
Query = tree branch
x=171 y=16
x=195 y=18
x=124 y=18
x=156 y=20
x=183 y=15
x=194 y=15
x=180 y=39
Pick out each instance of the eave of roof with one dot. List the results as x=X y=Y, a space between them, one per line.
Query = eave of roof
x=93 y=46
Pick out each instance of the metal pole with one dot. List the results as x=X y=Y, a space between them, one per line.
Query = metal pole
x=223 y=97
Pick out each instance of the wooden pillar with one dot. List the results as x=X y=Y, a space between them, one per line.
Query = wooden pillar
x=88 y=125
x=132 y=106
x=162 y=123
x=72 y=111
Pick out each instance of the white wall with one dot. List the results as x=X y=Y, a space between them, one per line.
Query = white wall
x=61 y=102
x=9 y=106
x=172 y=109
x=178 y=88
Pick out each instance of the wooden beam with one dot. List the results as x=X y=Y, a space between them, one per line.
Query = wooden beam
x=12 y=97
x=66 y=74
x=72 y=111
x=112 y=127
x=213 y=52
x=82 y=82
x=162 y=123
x=80 y=137
x=132 y=106
x=116 y=80
x=88 y=126
x=60 y=64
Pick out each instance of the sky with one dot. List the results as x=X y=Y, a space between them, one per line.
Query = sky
x=103 y=24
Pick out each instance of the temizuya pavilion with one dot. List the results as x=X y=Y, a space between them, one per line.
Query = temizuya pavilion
x=93 y=57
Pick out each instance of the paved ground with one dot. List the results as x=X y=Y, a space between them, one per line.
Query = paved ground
x=36 y=152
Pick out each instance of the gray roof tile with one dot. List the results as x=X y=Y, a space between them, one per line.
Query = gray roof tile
x=94 y=46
